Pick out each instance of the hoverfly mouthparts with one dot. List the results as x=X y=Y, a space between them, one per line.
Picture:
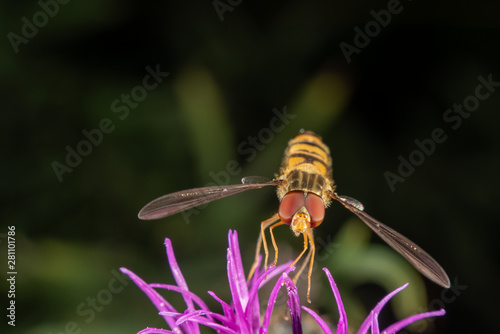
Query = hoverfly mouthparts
x=301 y=221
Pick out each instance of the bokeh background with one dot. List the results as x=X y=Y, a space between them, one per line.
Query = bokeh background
x=228 y=71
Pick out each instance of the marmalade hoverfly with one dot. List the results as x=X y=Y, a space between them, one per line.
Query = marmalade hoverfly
x=305 y=187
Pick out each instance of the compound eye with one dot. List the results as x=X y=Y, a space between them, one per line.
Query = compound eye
x=290 y=204
x=316 y=208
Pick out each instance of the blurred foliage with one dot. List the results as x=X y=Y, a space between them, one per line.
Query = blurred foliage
x=208 y=121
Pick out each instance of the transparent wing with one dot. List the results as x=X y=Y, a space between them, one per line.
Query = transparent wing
x=186 y=199
x=422 y=261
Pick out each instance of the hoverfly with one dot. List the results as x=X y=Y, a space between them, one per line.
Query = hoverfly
x=305 y=187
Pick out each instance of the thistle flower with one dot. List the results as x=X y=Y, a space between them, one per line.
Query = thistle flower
x=242 y=314
x=371 y=320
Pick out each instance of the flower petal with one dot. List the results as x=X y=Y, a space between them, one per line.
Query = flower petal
x=274 y=271
x=194 y=314
x=321 y=322
x=158 y=301
x=197 y=318
x=239 y=289
x=175 y=288
x=228 y=311
x=151 y=330
x=294 y=305
x=176 y=272
x=181 y=282
x=240 y=273
x=253 y=308
x=342 y=327
x=272 y=301
x=372 y=319
x=405 y=322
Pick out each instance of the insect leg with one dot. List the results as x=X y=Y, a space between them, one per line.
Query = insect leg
x=302 y=267
x=308 y=238
x=298 y=257
x=262 y=239
x=274 y=242
x=312 y=252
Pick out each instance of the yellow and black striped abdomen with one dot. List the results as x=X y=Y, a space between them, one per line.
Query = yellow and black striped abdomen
x=306 y=166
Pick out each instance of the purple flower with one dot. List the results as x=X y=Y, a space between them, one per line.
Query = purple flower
x=242 y=314
x=372 y=320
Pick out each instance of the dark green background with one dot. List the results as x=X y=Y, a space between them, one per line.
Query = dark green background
x=225 y=79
